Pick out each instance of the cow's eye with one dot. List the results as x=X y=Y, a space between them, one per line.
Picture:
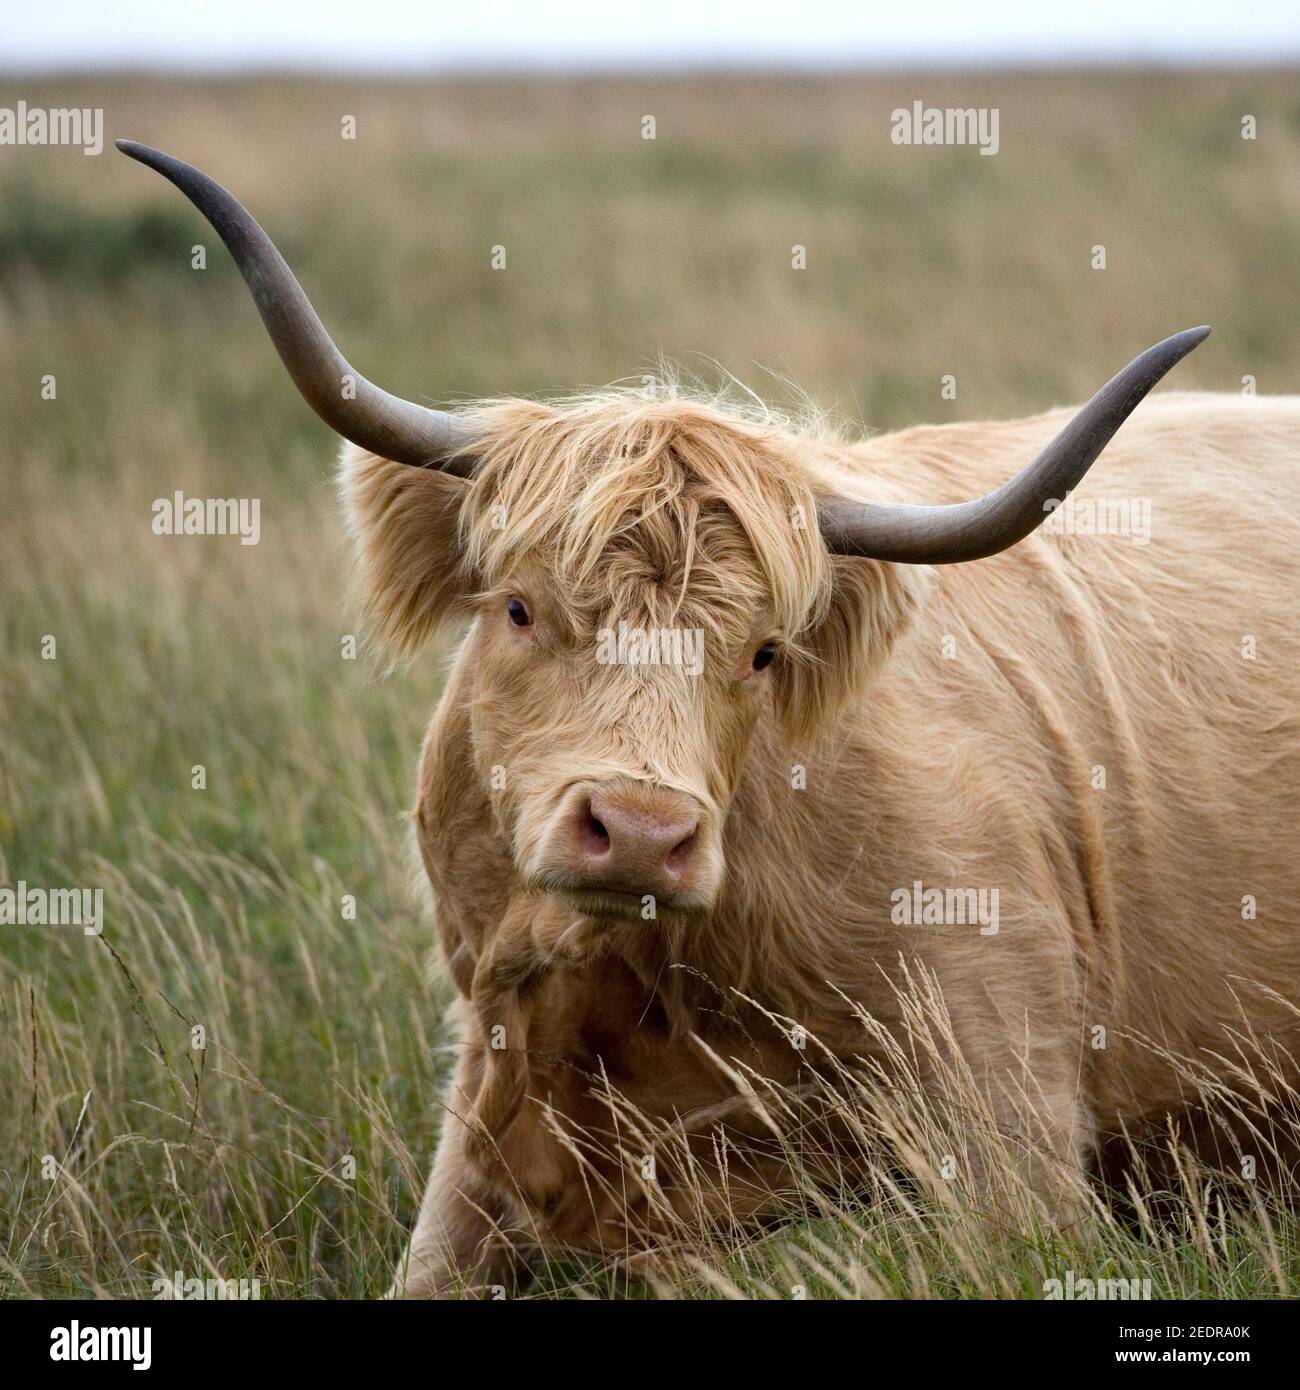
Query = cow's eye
x=764 y=656
x=519 y=614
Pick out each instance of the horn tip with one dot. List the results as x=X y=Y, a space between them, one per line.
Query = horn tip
x=1175 y=348
x=145 y=154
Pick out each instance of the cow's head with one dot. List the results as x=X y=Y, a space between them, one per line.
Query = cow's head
x=644 y=580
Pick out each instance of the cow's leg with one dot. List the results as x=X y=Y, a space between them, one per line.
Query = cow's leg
x=458 y=1247
x=1002 y=1147
x=1028 y=1068
x=1049 y=1139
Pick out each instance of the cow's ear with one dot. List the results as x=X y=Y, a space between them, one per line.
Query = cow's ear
x=405 y=524
x=871 y=606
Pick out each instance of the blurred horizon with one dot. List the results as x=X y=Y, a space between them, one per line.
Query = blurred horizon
x=569 y=37
x=576 y=71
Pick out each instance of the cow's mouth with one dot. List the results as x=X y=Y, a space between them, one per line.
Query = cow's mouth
x=606 y=902
x=626 y=905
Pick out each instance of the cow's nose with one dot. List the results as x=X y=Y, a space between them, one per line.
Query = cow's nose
x=642 y=842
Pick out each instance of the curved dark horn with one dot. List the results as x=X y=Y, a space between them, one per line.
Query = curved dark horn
x=344 y=399
x=972 y=530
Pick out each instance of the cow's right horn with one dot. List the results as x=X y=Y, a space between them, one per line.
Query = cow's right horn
x=349 y=404
x=949 y=534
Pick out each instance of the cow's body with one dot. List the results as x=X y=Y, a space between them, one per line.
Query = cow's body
x=975 y=758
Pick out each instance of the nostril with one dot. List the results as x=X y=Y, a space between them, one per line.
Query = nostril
x=595 y=838
x=683 y=851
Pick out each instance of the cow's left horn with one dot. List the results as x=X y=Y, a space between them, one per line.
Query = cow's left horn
x=971 y=530
x=354 y=407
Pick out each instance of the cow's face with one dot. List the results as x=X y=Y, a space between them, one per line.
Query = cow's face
x=645 y=583
x=611 y=716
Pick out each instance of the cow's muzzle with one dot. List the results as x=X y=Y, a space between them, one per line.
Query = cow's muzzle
x=628 y=849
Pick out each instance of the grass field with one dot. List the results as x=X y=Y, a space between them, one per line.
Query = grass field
x=223 y=906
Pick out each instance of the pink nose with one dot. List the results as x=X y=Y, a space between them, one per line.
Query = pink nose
x=634 y=840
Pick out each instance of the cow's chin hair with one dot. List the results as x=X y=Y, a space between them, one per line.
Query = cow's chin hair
x=608 y=904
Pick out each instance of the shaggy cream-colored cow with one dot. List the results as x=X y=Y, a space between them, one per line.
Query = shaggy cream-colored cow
x=1061 y=782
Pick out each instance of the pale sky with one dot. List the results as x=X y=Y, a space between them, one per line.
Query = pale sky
x=405 y=35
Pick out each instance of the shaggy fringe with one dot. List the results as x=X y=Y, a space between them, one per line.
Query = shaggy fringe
x=668 y=507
